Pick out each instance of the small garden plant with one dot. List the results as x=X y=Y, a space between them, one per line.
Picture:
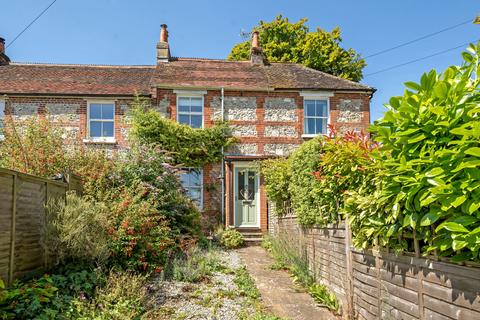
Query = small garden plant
x=231 y=238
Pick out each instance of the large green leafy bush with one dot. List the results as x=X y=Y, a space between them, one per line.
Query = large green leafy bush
x=277 y=174
x=304 y=187
x=430 y=185
x=315 y=179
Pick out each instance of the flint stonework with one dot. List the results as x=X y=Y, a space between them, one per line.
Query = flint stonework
x=279 y=149
x=280 y=131
x=243 y=149
x=280 y=109
x=63 y=112
x=350 y=111
x=22 y=111
x=244 y=130
x=236 y=108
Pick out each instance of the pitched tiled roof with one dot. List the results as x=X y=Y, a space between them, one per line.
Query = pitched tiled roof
x=245 y=75
x=178 y=73
x=75 y=79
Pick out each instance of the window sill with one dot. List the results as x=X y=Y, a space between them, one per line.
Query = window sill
x=100 y=141
x=313 y=135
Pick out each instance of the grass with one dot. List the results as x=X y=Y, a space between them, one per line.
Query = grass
x=287 y=257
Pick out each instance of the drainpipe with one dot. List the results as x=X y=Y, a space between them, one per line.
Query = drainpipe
x=223 y=158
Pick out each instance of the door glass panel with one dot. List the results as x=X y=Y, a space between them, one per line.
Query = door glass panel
x=241 y=185
x=251 y=185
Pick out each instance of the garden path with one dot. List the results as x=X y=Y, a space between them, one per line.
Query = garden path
x=279 y=294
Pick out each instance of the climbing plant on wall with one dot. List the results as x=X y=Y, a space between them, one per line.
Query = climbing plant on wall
x=185 y=146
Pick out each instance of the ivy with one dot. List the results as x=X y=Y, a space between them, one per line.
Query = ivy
x=185 y=146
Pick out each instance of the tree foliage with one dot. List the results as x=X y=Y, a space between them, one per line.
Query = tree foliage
x=285 y=41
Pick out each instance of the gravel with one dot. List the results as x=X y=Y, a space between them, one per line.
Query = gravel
x=216 y=299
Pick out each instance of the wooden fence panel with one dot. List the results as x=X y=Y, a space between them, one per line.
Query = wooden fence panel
x=22 y=221
x=6 y=196
x=386 y=286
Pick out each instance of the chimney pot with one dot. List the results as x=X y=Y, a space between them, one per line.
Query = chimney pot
x=4 y=59
x=163 y=49
x=256 y=53
x=255 y=41
x=163 y=33
x=2 y=45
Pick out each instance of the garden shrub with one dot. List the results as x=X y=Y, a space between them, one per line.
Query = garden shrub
x=345 y=163
x=76 y=229
x=231 y=239
x=304 y=187
x=123 y=297
x=318 y=176
x=50 y=296
x=33 y=146
x=140 y=235
x=277 y=175
x=196 y=264
x=150 y=165
x=431 y=182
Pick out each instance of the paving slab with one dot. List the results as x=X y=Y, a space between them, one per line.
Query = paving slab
x=279 y=293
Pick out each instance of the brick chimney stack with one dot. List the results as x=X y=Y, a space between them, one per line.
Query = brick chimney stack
x=256 y=53
x=163 y=50
x=4 y=59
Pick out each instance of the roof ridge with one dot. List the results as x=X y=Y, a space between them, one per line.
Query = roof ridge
x=335 y=77
x=43 y=64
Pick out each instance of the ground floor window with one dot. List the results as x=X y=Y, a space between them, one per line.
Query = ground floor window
x=192 y=182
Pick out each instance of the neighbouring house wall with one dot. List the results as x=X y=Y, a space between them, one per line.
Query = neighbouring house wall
x=71 y=114
x=385 y=286
x=22 y=211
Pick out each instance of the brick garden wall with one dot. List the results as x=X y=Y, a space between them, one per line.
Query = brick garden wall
x=385 y=286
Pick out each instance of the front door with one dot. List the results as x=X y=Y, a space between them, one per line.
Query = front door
x=246 y=197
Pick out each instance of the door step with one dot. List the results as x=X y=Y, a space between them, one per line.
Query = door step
x=252 y=237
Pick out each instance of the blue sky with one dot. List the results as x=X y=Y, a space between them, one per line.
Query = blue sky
x=126 y=32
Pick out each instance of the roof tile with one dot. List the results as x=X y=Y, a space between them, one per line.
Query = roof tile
x=180 y=72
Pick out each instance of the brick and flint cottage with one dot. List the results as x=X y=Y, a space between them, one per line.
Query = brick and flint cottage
x=272 y=108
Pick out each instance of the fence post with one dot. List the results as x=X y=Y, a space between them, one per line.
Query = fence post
x=45 y=221
x=349 y=266
x=12 y=232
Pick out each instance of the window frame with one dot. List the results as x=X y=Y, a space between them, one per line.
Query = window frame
x=101 y=139
x=190 y=94
x=200 y=171
x=322 y=96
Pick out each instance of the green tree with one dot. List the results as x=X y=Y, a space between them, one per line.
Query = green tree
x=284 y=41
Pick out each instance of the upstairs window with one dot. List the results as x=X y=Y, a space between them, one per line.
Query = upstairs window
x=192 y=182
x=190 y=111
x=315 y=116
x=101 y=123
x=2 y=116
